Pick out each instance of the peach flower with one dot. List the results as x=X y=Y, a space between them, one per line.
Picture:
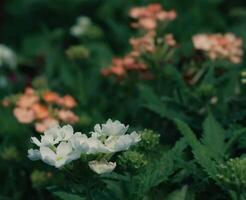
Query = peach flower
x=169 y=40
x=219 y=46
x=146 y=18
x=68 y=101
x=27 y=99
x=67 y=116
x=51 y=97
x=41 y=111
x=45 y=124
x=24 y=115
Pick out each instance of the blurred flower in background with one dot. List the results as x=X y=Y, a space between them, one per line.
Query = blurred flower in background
x=7 y=57
x=8 y=61
x=43 y=108
x=219 y=46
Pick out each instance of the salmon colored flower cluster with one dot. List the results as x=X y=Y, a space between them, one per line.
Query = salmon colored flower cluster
x=147 y=18
x=44 y=109
x=219 y=46
x=120 y=66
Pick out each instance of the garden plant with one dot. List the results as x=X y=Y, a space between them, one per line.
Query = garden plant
x=122 y=100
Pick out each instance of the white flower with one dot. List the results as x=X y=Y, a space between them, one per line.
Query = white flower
x=81 y=26
x=34 y=154
x=7 y=57
x=113 y=136
x=54 y=135
x=122 y=142
x=111 y=128
x=80 y=142
x=96 y=146
x=101 y=167
x=58 y=146
x=63 y=154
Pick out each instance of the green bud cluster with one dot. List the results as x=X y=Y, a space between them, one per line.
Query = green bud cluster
x=77 y=52
x=149 y=140
x=10 y=153
x=232 y=173
x=40 y=178
x=132 y=160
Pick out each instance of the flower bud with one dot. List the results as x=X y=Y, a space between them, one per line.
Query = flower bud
x=232 y=173
x=78 y=52
x=149 y=140
x=132 y=160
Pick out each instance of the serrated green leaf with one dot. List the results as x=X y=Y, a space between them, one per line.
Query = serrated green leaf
x=213 y=137
x=201 y=153
x=67 y=196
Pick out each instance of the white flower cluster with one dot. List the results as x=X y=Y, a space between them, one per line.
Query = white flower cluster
x=7 y=57
x=60 y=145
x=81 y=26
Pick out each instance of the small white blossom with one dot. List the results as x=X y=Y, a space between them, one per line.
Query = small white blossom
x=58 y=146
x=34 y=154
x=54 y=135
x=101 y=167
x=111 y=128
x=80 y=142
x=81 y=26
x=122 y=142
x=7 y=57
x=113 y=136
x=63 y=154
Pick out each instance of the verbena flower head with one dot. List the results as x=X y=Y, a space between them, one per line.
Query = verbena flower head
x=111 y=128
x=7 y=57
x=57 y=146
x=218 y=46
x=147 y=20
x=44 y=109
x=148 y=17
x=60 y=145
x=113 y=136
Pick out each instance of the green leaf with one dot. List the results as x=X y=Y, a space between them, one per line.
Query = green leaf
x=181 y=194
x=213 y=137
x=153 y=103
x=67 y=196
x=200 y=152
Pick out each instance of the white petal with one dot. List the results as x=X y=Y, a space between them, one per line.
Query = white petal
x=97 y=128
x=114 y=128
x=47 y=155
x=119 y=143
x=135 y=137
x=66 y=132
x=60 y=162
x=96 y=146
x=34 y=140
x=47 y=140
x=101 y=167
x=34 y=154
x=64 y=149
